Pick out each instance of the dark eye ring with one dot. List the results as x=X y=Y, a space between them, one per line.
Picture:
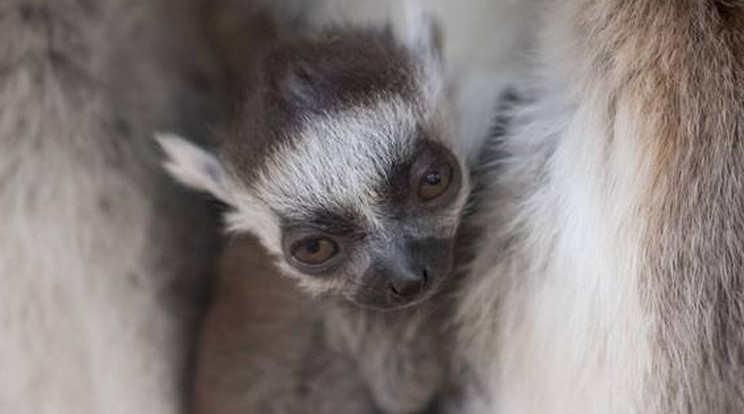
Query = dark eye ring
x=314 y=250
x=434 y=181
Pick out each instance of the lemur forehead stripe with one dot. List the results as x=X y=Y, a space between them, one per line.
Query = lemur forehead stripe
x=328 y=165
x=308 y=78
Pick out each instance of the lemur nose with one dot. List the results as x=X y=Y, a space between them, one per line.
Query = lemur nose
x=408 y=285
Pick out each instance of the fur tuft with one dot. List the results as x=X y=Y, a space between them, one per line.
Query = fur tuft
x=193 y=166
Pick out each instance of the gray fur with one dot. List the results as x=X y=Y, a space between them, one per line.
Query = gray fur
x=269 y=348
x=333 y=141
x=99 y=289
x=345 y=149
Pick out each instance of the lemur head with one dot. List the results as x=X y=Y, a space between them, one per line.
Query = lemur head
x=342 y=162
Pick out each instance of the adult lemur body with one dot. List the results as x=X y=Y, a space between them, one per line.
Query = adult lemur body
x=612 y=280
x=343 y=162
x=102 y=258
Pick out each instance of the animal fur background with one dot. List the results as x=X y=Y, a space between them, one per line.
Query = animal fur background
x=103 y=261
x=612 y=282
x=613 y=278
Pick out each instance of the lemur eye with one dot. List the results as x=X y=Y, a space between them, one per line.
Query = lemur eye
x=314 y=250
x=434 y=181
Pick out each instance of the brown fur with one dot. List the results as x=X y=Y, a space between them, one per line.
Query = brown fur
x=682 y=66
x=262 y=328
x=268 y=348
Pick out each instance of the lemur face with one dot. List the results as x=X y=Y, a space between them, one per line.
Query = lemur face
x=367 y=208
x=343 y=164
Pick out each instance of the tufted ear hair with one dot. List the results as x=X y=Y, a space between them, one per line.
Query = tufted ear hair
x=422 y=37
x=421 y=33
x=194 y=166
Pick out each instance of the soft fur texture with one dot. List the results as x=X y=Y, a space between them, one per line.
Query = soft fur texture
x=269 y=348
x=334 y=138
x=611 y=280
x=102 y=259
x=334 y=120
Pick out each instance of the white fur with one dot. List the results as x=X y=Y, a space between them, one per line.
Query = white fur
x=485 y=52
x=305 y=173
x=193 y=166
x=418 y=28
x=554 y=305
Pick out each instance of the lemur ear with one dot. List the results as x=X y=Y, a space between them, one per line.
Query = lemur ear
x=422 y=36
x=193 y=166
x=421 y=33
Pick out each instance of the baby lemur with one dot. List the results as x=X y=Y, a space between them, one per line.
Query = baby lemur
x=341 y=161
